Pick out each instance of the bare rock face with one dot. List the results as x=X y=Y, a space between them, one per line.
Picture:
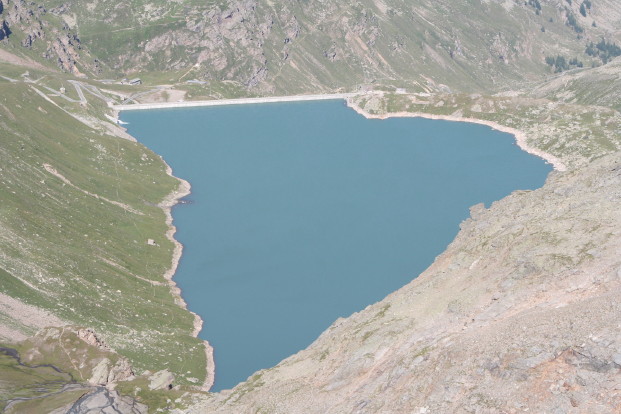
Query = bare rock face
x=100 y=373
x=521 y=313
x=161 y=380
x=23 y=15
x=66 y=49
x=90 y=337
x=105 y=374
x=121 y=371
x=102 y=400
x=60 y=42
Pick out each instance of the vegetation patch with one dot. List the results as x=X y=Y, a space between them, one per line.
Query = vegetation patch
x=603 y=50
x=561 y=64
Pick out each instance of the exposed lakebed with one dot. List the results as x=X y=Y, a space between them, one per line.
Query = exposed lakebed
x=305 y=212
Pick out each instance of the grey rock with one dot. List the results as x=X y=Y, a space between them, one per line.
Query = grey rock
x=101 y=400
x=161 y=380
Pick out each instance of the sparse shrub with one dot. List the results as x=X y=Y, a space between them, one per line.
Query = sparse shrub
x=536 y=4
x=583 y=10
x=560 y=63
x=573 y=22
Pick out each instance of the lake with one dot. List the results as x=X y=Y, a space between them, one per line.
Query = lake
x=305 y=212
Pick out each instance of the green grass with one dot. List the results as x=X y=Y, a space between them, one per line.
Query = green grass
x=166 y=400
x=82 y=258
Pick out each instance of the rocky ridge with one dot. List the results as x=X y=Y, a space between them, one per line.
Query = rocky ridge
x=293 y=47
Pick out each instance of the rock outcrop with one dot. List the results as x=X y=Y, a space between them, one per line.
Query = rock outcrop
x=90 y=337
x=83 y=351
x=106 y=373
x=161 y=380
x=58 y=41
x=102 y=400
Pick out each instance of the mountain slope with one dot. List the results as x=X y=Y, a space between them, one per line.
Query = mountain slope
x=78 y=206
x=294 y=47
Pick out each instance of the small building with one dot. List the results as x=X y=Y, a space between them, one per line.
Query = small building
x=135 y=81
x=151 y=242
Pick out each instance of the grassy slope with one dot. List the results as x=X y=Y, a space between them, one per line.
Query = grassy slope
x=601 y=86
x=24 y=382
x=81 y=257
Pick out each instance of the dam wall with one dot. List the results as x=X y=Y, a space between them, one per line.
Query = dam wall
x=240 y=101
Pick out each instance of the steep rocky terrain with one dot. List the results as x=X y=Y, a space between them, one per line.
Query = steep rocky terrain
x=30 y=29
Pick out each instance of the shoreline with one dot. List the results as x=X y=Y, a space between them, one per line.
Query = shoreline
x=184 y=187
x=182 y=190
x=520 y=137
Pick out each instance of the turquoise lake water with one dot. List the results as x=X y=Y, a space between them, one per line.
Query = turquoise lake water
x=305 y=212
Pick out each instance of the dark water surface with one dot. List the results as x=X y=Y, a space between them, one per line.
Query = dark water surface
x=305 y=212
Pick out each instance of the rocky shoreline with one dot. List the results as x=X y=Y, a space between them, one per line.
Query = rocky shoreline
x=166 y=205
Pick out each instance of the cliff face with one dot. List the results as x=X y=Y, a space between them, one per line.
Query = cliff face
x=521 y=312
